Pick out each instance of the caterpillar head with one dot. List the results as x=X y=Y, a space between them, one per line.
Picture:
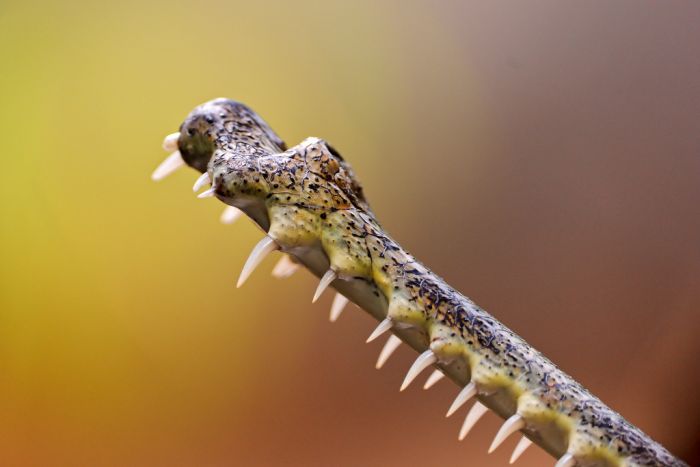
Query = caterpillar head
x=239 y=154
x=293 y=192
x=224 y=124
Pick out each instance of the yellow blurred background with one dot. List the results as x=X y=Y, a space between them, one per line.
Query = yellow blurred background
x=542 y=156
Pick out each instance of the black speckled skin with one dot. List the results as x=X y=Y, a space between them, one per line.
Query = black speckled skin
x=308 y=200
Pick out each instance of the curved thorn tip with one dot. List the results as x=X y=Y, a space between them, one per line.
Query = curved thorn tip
x=475 y=413
x=383 y=327
x=423 y=361
x=230 y=215
x=170 y=142
x=326 y=280
x=262 y=249
x=391 y=345
x=284 y=268
x=339 y=303
x=207 y=193
x=464 y=395
x=434 y=377
x=200 y=182
x=171 y=163
x=520 y=448
x=567 y=460
x=514 y=423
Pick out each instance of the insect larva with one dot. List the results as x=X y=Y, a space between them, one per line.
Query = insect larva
x=311 y=207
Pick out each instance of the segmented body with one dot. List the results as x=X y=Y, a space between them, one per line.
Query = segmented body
x=311 y=206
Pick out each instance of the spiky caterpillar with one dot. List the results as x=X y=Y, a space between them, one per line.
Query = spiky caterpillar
x=311 y=207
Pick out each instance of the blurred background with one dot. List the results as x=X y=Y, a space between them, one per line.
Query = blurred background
x=556 y=146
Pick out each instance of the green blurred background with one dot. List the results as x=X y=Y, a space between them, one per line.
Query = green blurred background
x=542 y=156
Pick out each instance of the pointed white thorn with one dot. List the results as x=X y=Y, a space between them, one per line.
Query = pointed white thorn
x=514 y=423
x=423 y=361
x=464 y=395
x=171 y=163
x=326 y=280
x=170 y=142
x=230 y=215
x=284 y=268
x=262 y=249
x=520 y=448
x=207 y=193
x=567 y=460
x=339 y=302
x=200 y=182
x=391 y=345
x=475 y=413
x=383 y=327
x=434 y=377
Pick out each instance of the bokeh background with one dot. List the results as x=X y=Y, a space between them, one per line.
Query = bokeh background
x=542 y=156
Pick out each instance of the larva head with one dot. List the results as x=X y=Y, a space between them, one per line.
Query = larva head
x=224 y=124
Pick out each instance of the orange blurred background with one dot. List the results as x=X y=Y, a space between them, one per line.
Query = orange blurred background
x=542 y=156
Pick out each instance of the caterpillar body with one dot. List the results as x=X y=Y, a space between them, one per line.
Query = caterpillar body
x=311 y=207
